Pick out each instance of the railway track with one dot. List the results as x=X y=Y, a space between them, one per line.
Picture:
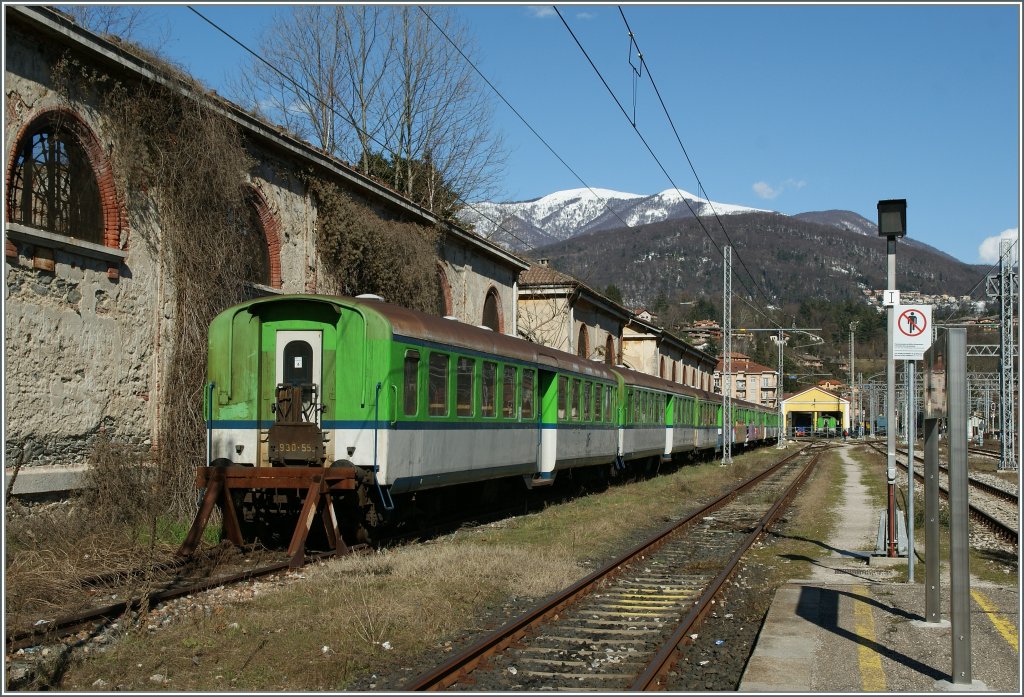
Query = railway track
x=95 y=620
x=620 y=627
x=993 y=506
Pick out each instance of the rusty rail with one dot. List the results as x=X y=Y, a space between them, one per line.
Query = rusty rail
x=461 y=664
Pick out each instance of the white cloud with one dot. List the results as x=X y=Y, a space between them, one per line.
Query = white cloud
x=988 y=250
x=541 y=12
x=766 y=190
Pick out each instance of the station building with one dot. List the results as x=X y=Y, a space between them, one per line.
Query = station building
x=812 y=408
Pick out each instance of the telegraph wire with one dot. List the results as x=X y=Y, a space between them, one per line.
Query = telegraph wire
x=982 y=279
x=384 y=147
x=700 y=185
x=520 y=116
x=651 y=151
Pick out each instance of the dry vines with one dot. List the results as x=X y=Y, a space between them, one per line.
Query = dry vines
x=361 y=252
x=183 y=167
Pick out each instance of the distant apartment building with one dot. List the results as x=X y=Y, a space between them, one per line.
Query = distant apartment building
x=749 y=381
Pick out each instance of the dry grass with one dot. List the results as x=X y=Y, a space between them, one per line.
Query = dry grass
x=352 y=617
x=115 y=524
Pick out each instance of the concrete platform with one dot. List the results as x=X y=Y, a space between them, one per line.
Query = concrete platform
x=857 y=626
x=862 y=635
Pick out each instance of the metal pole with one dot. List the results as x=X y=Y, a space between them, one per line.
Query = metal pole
x=778 y=394
x=959 y=576
x=853 y=389
x=934 y=409
x=727 y=357
x=890 y=408
x=911 y=435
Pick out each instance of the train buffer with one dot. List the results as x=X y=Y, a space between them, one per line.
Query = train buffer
x=318 y=483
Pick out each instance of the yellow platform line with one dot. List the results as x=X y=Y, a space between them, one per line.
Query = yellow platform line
x=1002 y=625
x=872 y=677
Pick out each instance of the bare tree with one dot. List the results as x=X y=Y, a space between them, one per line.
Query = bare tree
x=124 y=21
x=381 y=87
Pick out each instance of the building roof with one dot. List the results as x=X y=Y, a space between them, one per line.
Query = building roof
x=743 y=364
x=790 y=395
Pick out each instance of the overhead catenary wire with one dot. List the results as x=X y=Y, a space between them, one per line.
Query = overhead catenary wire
x=700 y=185
x=984 y=277
x=521 y=117
x=330 y=108
x=652 y=153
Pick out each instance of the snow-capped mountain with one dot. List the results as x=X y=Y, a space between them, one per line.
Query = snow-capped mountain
x=525 y=225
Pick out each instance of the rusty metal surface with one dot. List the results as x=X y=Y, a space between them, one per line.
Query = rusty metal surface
x=295 y=442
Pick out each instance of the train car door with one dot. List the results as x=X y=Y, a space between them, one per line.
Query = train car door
x=298 y=361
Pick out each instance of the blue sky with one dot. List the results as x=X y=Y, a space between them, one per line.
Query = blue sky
x=792 y=108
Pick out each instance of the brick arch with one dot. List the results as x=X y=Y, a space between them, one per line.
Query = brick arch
x=112 y=209
x=583 y=342
x=494 y=299
x=271 y=226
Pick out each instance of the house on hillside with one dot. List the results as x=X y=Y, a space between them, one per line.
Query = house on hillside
x=92 y=297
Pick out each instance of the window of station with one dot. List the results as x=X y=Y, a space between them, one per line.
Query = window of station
x=411 y=388
x=527 y=394
x=464 y=387
x=53 y=186
x=488 y=388
x=438 y=384
x=508 y=392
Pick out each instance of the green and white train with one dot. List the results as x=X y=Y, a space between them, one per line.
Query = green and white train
x=420 y=404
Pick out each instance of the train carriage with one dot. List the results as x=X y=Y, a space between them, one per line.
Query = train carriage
x=411 y=403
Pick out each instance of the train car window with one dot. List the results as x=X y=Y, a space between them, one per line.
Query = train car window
x=598 y=402
x=563 y=391
x=412 y=381
x=575 y=404
x=464 y=387
x=438 y=385
x=586 y=401
x=508 y=392
x=526 y=394
x=608 y=404
x=488 y=388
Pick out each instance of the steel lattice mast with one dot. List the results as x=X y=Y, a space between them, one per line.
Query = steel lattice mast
x=1007 y=288
x=727 y=356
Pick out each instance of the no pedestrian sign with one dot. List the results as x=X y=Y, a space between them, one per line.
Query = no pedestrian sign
x=913 y=332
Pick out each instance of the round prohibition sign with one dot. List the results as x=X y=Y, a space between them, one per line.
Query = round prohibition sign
x=912 y=323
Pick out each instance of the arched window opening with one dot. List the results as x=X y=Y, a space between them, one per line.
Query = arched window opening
x=253 y=248
x=583 y=342
x=609 y=350
x=444 y=292
x=661 y=367
x=674 y=374
x=53 y=185
x=492 y=312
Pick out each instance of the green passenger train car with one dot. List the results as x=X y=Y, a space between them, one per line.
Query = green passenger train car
x=417 y=403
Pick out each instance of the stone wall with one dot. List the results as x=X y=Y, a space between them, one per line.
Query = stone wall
x=88 y=326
